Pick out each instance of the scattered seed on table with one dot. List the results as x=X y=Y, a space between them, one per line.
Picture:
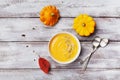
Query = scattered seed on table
x=33 y=28
x=23 y=35
x=27 y=46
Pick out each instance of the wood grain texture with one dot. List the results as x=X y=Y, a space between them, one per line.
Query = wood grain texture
x=22 y=35
x=22 y=55
x=12 y=29
x=60 y=74
x=68 y=8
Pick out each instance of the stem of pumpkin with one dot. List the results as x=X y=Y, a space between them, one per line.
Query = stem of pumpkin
x=83 y=24
x=52 y=14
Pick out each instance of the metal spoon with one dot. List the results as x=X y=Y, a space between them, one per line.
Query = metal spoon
x=97 y=42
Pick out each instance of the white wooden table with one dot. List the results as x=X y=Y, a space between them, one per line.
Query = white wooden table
x=22 y=34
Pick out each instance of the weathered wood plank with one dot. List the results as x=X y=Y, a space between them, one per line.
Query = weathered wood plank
x=68 y=8
x=22 y=55
x=60 y=74
x=13 y=29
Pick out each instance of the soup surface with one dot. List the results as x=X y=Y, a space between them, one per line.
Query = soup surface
x=63 y=47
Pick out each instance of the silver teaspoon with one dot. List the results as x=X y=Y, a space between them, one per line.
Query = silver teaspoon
x=95 y=43
x=98 y=42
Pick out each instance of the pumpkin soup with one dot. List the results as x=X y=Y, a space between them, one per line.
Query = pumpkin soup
x=64 y=47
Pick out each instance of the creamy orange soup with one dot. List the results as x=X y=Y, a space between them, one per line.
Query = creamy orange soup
x=63 y=47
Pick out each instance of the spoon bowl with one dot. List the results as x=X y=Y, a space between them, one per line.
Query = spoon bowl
x=104 y=42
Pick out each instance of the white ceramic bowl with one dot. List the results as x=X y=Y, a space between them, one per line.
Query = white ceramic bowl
x=77 y=55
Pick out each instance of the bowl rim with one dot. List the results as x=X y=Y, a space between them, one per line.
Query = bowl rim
x=77 y=55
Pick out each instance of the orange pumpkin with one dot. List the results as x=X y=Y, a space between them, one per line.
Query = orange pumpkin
x=49 y=15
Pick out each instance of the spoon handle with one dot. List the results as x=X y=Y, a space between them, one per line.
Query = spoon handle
x=86 y=63
x=89 y=55
x=87 y=59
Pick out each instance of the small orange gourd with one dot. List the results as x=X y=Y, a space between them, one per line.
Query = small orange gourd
x=49 y=15
x=84 y=25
